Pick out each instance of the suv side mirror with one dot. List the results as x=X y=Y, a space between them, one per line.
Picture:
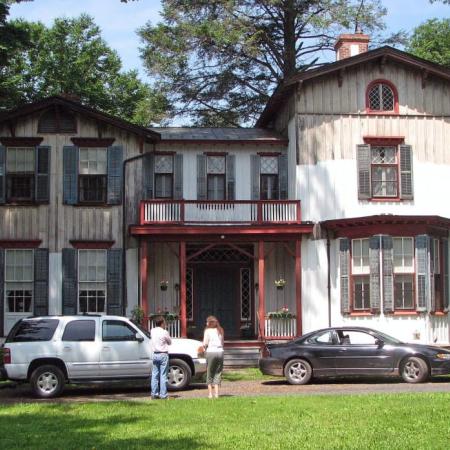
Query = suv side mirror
x=379 y=342
x=139 y=338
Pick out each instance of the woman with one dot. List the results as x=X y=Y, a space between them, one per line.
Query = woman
x=213 y=344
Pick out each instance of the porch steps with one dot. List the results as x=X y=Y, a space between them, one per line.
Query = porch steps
x=240 y=356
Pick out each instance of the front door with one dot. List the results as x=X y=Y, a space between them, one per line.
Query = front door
x=216 y=291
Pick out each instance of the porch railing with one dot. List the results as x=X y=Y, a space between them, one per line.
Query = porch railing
x=280 y=327
x=173 y=326
x=220 y=212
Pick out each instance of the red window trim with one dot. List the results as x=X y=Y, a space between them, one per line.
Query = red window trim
x=12 y=243
x=21 y=141
x=269 y=153
x=384 y=140
x=92 y=142
x=394 y=90
x=215 y=153
x=91 y=245
x=164 y=152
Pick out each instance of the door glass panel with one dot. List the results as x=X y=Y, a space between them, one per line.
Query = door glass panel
x=115 y=330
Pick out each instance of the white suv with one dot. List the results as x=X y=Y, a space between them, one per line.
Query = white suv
x=51 y=351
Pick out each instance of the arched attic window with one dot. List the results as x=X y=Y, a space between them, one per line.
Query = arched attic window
x=57 y=120
x=381 y=98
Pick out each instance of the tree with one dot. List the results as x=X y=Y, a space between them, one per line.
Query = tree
x=71 y=57
x=219 y=60
x=431 y=41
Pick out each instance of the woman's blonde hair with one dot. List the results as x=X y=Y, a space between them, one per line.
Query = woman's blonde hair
x=212 y=322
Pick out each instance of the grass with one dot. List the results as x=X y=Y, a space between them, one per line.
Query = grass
x=248 y=374
x=419 y=421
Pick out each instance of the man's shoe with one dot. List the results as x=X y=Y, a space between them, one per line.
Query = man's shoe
x=154 y=397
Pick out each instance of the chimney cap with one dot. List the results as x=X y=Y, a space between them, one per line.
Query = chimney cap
x=359 y=37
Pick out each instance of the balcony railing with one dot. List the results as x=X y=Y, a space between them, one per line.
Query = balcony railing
x=173 y=326
x=220 y=212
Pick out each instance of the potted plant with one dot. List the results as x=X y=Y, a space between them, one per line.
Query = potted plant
x=137 y=315
x=163 y=284
x=280 y=283
x=282 y=313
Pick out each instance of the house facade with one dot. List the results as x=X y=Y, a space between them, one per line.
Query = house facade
x=331 y=211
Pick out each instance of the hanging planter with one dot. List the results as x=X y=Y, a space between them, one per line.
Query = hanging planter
x=279 y=284
x=163 y=285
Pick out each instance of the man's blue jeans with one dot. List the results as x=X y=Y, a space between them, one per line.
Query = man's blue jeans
x=159 y=375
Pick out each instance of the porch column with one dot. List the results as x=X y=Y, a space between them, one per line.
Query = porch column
x=298 y=284
x=261 y=293
x=143 y=263
x=182 y=260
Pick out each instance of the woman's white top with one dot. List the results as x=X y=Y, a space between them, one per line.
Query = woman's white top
x=212 y=340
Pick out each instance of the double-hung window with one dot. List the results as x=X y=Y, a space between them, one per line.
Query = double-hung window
x=19 y=270
x=216 y=177
x=361 y=274
x=92 y=281
x=384 y=171
x=269 y=178
x=20 y=174
x=92 y=175
x=403 y=250
x=164 y=176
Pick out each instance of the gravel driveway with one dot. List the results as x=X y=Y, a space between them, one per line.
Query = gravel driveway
x=22 y=393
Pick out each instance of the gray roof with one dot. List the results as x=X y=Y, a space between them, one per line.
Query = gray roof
x=218 y=134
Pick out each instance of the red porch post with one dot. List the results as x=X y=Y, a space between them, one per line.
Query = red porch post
x=144 y=277
x=261 y=289
x=182 y=260
x=298 y=285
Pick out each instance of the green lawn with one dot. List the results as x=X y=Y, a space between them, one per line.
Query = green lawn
x=248 y=374
x=406 y=421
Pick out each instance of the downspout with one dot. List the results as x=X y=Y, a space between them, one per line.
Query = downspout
x=328 y=278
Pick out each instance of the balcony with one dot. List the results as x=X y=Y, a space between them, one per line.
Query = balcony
x=239 y=212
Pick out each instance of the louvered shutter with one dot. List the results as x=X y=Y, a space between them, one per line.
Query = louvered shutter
x=178 y=177
x=255 y=176
x=42 y=186
x=202 y=193
x=41 y=282
x=115 y=158
x=2 y=290
x=406 y=178
x=70 y=175
x=374 y=261
x=283 y=176
x=231 y=177
x=114 y=282
x=149 y=174
x=432 y=302
x=2 y=174
x=363 y=158
x=69 y=281
x=344 y=265
x=388 y=274
x=422 y=271
x=445 y=265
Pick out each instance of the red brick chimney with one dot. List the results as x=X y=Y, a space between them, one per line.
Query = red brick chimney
x=349 y=45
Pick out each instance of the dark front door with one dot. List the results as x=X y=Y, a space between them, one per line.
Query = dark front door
x=216 y=293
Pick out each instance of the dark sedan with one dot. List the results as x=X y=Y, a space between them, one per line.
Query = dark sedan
x=344 y=351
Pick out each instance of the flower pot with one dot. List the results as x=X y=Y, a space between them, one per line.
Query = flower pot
x=280 y=288
x=163 y=288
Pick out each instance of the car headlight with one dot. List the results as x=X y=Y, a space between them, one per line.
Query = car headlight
x=443 y=356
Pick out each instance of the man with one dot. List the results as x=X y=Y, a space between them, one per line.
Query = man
x=161 y=341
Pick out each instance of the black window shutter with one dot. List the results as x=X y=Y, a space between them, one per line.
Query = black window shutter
x=178 y=177
x=344 y=265
x=202 y=193
x=115 y=158
x=41 y=268
x=2 y=290
x=70 y=176
x=255 y=175
x=2 y=174
x=42 y=186
x=69 y=281
x=432 y=302
x=388 y=274
x=231 y=177
x=446 y=274
x=283 y=176
x=148 y=174
x=422 y=271
x=364 y=183
x=406 y=178
x=114 y=296
x=374 y=261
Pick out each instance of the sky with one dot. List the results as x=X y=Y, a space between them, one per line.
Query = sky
x=119 y=21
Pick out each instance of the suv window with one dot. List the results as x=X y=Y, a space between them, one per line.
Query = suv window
x=79 y=330
x=116 y=330
x=33 y=330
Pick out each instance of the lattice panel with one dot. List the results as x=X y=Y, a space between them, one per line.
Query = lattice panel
x=216 y=164
x=269 y=165
x=384 y=155
x=220 y=254
x=189 y=294
x=163 y=164
x=381 y=98
x=245 y=294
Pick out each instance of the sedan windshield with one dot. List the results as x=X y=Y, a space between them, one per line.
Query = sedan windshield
x=388 y=339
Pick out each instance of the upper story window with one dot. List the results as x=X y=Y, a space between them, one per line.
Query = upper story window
x=381 y=97
x=384 y=171
x=92 y=175
x=164 y=176
x=269 y=178
x=216 y=171
x=20 y=174
x=57 y=120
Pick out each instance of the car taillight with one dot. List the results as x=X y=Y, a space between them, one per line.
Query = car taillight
x=265 y=352
x=6 y=356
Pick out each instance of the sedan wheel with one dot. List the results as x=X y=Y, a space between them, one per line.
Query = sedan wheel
x=298 y=371
x=179 y=374
x=414 y=370
x=47 y=381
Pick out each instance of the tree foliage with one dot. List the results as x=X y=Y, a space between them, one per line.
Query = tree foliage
x=431 y=41
x=219 y=60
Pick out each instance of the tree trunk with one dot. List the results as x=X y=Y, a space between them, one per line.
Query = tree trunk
x=289 y=39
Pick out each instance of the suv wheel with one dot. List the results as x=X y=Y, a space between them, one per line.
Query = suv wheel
x=47 y=381
x=179 y=374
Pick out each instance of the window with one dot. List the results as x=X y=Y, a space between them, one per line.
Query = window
x=269 y=178
x=116 y=330
x=57 y=121
x=381 y=97
x=19 y=280
x=361 y=274
x=403 y=253
x=33 y=330
x=20 y=173
x=322 y=338
x=216 y=177
x=384 y=171
x=92 y=175
x=164 y=176
x=79 y=330
x=350 y=337
x=92 y=281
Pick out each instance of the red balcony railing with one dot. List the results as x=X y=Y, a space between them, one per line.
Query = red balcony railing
x=220 y=212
